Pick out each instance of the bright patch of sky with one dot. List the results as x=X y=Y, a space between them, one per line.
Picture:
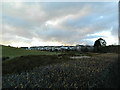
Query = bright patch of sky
x=107 y=35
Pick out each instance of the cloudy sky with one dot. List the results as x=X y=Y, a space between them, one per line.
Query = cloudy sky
x=60 y=23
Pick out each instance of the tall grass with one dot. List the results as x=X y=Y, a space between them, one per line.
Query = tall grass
x=26 y=63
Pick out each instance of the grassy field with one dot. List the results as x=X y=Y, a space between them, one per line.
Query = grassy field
x=25 y=60
x=15 y=52
x=31 y=69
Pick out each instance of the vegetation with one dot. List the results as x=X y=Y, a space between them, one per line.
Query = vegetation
x=99 y=44
x=26 y=63
x=96 y=72
x=12 y=52
x=27 y=60
x=109 y=49
x=30 y=69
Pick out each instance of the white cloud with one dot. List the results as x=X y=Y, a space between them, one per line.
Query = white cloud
x=58 y=23
x=106 y=35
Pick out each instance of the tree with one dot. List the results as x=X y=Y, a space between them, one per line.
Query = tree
x=99 y=43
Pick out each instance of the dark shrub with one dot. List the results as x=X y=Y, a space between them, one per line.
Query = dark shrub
x=5 y=58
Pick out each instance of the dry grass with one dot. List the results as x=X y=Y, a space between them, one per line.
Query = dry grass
x=99 y=71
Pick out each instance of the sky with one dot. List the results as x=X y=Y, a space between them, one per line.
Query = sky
x=58 y=23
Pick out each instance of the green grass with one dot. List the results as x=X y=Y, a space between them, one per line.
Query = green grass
x=22 y=60
x=15 y=52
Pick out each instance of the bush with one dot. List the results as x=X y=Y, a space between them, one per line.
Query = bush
x=5 y=58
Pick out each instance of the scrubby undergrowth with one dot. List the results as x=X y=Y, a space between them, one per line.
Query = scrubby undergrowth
x=100 y=71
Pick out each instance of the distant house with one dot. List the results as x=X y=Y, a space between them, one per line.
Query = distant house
x=79 y=47
x=64 y=48
x=26 y=48
x=71 y=48
x=49 y=48
x=56 y=48
x=40 y=48
x=33 y=48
